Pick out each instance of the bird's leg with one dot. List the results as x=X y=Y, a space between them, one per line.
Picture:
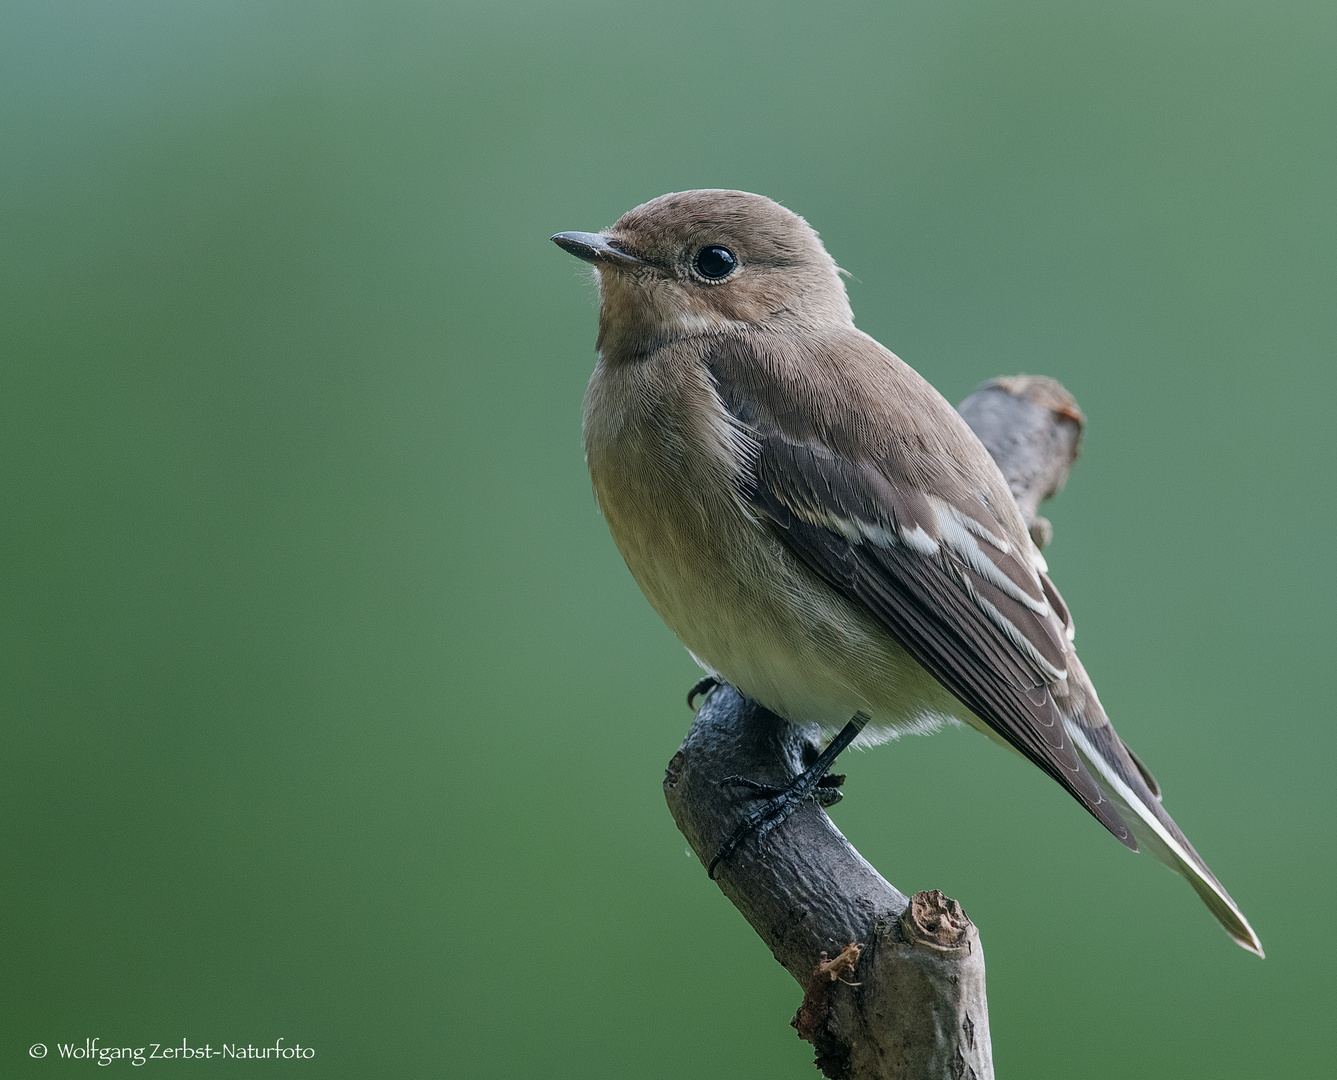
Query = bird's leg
x=701 y=686
x=812 y=783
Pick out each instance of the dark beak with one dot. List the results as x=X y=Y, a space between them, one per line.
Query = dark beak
x=594 y=248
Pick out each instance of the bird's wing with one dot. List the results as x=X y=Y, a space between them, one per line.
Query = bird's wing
x=931 y=563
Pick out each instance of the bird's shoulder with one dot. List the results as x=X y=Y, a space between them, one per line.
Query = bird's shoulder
x=847 y=399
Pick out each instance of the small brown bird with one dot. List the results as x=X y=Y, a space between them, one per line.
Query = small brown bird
x=819 y=526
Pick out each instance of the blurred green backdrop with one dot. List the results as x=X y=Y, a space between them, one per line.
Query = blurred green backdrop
x=330 y=711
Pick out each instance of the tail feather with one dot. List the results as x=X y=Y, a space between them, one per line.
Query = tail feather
x=1122 y=778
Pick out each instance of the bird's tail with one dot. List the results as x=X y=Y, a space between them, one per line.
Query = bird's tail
x=1133 y=789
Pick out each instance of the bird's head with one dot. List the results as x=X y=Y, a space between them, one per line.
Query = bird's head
x=700 y=262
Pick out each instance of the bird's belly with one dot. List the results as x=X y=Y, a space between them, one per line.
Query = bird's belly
x=752 y=615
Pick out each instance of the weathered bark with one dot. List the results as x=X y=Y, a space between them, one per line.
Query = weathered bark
x=893 y=986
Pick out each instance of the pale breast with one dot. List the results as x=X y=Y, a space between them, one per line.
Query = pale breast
x=662 y=452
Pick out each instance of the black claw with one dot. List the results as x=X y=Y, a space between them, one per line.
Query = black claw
x=766 y=790
x=825 y=797
x=701 y=686
x=828 y=791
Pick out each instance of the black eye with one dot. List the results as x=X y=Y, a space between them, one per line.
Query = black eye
x=715 y=263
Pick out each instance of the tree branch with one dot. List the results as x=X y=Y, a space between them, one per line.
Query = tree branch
x=893 y=986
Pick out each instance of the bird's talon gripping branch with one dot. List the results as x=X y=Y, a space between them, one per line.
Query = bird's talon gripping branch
x=824 y=789
x=699 y=688
x=813 y=783
x=779 y=805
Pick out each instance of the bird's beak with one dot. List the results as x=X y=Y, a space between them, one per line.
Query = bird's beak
x=595 y=248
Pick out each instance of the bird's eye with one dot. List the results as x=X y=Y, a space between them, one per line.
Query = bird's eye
x=715 y=263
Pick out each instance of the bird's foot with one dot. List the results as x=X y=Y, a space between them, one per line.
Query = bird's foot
x=821 y=787
x=701 y=686
x=812 y=783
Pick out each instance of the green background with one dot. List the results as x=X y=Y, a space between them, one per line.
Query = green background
x=330 y=711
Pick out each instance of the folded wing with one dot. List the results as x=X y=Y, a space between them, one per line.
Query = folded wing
x=937 y=570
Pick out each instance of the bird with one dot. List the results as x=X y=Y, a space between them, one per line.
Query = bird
x=817 y=524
